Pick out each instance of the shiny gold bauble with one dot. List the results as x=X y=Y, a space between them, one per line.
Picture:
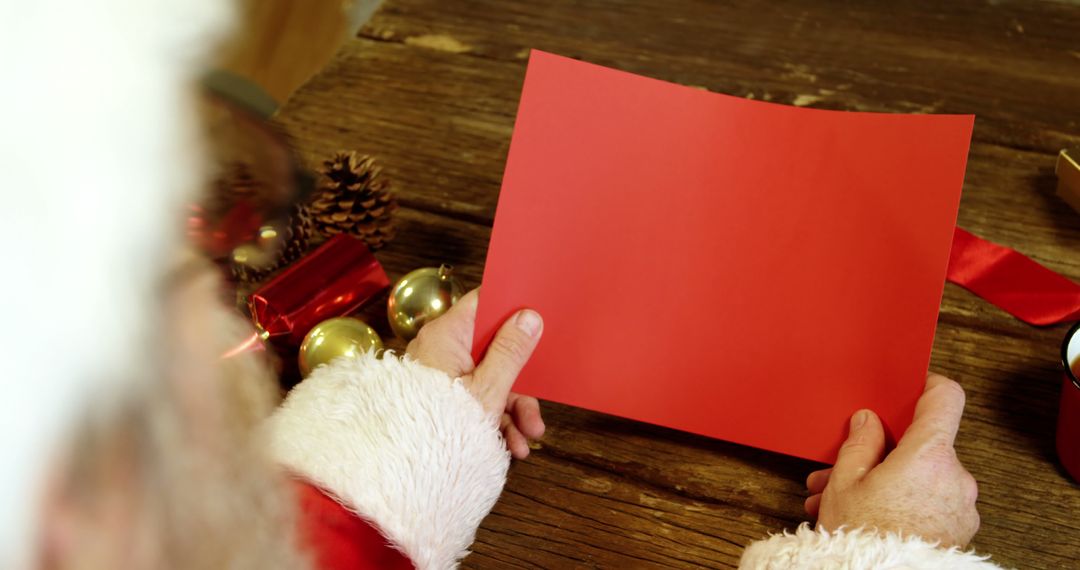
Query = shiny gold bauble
x=343 y=336
x=420 y=296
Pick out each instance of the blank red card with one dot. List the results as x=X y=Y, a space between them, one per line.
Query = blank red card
x=743 y=270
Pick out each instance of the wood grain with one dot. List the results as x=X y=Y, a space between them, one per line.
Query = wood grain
x=431 y=88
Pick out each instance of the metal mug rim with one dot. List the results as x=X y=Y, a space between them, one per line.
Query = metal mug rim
x=1073 y=331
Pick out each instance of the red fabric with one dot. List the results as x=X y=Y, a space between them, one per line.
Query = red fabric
x=1012 y=281
x=339 y=539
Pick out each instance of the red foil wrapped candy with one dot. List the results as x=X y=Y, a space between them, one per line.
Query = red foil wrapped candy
x=334 y=280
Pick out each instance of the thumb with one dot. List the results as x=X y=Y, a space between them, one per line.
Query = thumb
x=861 y=452
x=509 y=351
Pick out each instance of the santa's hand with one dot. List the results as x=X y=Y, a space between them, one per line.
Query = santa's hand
x=920 y=488
x=446 y=344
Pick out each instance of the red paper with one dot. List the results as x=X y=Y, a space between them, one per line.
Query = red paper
x=739 y=269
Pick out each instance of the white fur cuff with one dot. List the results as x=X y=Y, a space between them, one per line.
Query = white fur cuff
x=402 y=445
x=855 y=550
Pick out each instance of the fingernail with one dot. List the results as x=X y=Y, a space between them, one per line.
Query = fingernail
x=528 y=321
x=858 y=419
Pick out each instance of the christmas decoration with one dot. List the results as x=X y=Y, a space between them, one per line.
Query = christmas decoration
x=420 y=296
x=341 y=336
x=334 y=280
x=256 y=179
x=273 y=249
x=230 y=214
x=354 y=198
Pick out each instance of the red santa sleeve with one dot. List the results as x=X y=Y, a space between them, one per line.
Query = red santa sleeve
x=401 y=450
x=338 y=539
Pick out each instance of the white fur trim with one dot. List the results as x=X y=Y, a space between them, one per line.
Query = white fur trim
x=855 y=550
x=401 y=444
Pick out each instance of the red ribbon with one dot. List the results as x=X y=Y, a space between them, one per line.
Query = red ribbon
x=1012 y=281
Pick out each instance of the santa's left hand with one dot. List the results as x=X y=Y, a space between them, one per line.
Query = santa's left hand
x=446 y=344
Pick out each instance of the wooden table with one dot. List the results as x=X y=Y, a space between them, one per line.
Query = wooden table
x=431 y=87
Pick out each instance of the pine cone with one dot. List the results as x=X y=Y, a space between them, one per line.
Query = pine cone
x=297 y=238
x=353 y=198
x=234 y=184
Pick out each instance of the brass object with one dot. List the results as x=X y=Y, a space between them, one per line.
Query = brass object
x=342 y=336
x=419 y=297
x=1068 y=173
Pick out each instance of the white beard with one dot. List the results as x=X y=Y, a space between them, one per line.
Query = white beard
x=98 y=152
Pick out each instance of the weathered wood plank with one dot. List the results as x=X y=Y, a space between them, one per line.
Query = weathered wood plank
x=441 y=122
x=1016 y=63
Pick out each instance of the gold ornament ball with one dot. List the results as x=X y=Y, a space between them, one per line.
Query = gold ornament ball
x=420 y=296
x=343 y=336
